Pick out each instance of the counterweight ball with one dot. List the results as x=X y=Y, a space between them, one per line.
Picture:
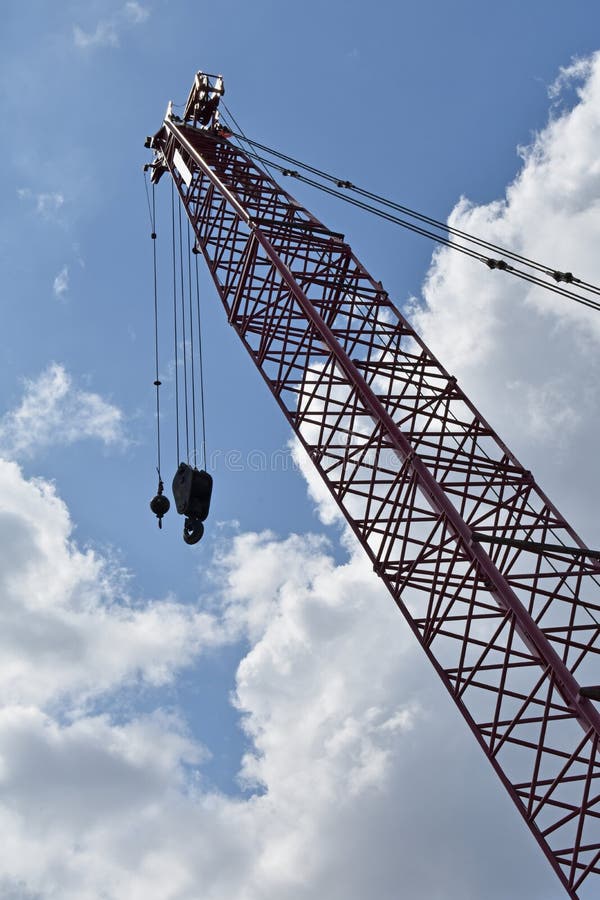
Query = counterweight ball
x=160 y=506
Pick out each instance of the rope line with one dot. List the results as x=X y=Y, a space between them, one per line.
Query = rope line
x=157 y=382
x=264 y=165
x=175 y=320
x=413 y=213
x=201 y=365
x=192 y=354
x=183 y=336
x=148 y=202
x=467 y=251
x=451 y=232
x=453 y=245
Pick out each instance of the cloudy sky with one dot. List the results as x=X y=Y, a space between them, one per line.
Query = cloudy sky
x=250 y=718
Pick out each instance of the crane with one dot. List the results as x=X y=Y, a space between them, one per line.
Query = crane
x=497 y=587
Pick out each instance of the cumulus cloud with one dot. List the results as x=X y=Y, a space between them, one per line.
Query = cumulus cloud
x=528 y=358
x=70 y=635
x=578 y=71
x=54 y=411
x=67 y=624
x=344 y=763
x=107 y=31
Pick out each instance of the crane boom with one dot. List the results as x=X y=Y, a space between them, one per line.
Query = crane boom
x=495 y=584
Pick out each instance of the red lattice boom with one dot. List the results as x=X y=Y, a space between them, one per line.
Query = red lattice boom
x=416 y=470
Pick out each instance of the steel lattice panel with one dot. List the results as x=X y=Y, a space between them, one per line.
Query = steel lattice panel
x=416 y=471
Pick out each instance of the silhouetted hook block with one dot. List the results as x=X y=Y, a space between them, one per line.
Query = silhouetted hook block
x=192 y=490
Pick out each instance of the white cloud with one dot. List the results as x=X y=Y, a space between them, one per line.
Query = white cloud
x=333 y=699
x=67 y=624
x=60 y=285
x=578 y=70
x=529 y=358
x=107 y=31
x=53 y=411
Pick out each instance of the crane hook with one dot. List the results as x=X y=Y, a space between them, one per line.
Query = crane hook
x=192 y=489
x=193 y=529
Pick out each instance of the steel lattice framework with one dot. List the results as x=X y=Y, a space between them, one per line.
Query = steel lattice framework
x=424 y=483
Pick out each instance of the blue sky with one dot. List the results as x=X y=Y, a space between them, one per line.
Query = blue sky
x=157 y=689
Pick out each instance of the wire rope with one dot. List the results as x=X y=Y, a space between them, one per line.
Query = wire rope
x=148 y=202
x=157 y=382
x=453 y=245
x=200 y=365
x=184 y=341
x=450 y=231
x=422 y=217
x=176 y=348
x=192 y=354
x=241 y=136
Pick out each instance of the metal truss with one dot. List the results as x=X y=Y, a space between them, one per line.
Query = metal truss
x=512 y=629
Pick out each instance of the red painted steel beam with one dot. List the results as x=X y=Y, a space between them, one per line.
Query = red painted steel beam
x=512 y=631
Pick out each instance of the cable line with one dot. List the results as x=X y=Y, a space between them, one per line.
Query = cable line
x=340 y=183
x=241 y=136
x=175 y=320
x=467 y=251
x=478 y=243
x=183 y=336
x=200 y=362
x=159 y=504
x=150 y=216
x=157 y=382
x=189 y=268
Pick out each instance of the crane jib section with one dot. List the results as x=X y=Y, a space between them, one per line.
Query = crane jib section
x=422 y=479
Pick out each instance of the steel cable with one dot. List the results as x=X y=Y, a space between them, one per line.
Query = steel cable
x=175 y=320
x=192 y=354
x=200 y=364
x=184 y=342
x=452 y=232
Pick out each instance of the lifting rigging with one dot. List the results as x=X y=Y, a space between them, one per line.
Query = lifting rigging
x=192 y=487
x=497 y=587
